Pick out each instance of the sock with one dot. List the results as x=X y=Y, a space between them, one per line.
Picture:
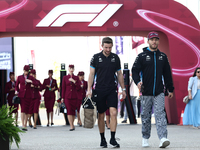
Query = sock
x=112 y=135
x=102 y=136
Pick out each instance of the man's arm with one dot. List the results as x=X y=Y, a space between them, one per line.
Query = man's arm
x=136 y=69
x=90 y=82
x=167 y=74
x=121 y=82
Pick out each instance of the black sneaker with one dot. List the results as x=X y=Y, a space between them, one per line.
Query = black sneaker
x=103 y=143
x=124 y=121
x=114 y=143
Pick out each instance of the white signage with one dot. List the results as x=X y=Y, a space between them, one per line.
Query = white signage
x=97 y=14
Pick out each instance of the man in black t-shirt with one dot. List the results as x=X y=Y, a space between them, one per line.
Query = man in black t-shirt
x=103 y=69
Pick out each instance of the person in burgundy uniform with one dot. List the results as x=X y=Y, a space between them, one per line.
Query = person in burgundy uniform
x=70 y=85
x=10 y=90
x=50 y=86
x=36 y=97
x=24 y=91
x=81 y=93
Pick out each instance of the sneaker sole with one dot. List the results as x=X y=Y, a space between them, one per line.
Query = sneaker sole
x=114 y=146
x=165 y=144
x=103 y=146
x=145 y=146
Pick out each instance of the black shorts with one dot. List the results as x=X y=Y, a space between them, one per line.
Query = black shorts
x=105 y=99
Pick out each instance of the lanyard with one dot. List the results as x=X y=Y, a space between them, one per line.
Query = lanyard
x=50 y=82
x=13 y=84
x=25 y=78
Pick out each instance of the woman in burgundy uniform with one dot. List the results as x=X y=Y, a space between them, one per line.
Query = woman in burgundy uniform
x=81 y=93
x=24 y=91
x=36 y=97
x=50 y=86
x=10 y=90
x=70 y=85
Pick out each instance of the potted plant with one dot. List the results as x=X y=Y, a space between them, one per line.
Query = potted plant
x=8 y=130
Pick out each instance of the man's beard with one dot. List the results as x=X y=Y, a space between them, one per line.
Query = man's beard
x=154 y=48
x=107 y=53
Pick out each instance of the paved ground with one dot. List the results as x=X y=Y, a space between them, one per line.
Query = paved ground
x=59 y=137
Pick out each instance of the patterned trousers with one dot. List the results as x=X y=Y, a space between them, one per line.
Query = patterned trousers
x=160 y=116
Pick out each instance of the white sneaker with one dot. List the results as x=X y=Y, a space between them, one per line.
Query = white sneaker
x=145 y=143
x=164 y=143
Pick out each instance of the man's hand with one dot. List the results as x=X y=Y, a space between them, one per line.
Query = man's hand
x=89 y=94
x=139 y=85
x=123 y=94
x=32 y=85
x=170 y=95
x=48 y=86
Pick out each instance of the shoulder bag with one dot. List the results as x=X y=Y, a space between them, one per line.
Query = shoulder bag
x=88 y=113
x=16 y=100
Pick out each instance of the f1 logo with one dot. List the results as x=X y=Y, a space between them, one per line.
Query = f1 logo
x=61 y=14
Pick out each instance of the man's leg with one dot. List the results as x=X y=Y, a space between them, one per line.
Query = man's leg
x=146 y=103
x=101 y=123
x=113 y=126
x=160 y=118
x=101 y=126
x=113 y=119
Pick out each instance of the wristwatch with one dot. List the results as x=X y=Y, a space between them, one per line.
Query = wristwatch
x=124 y=89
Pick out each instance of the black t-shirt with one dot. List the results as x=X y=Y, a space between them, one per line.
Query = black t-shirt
x=105 y=70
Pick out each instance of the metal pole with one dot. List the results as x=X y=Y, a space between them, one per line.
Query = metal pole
x=63 y=73
x=129 y=107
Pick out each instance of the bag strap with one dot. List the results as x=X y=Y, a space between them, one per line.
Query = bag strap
x=92 y=102
x=86 y=99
